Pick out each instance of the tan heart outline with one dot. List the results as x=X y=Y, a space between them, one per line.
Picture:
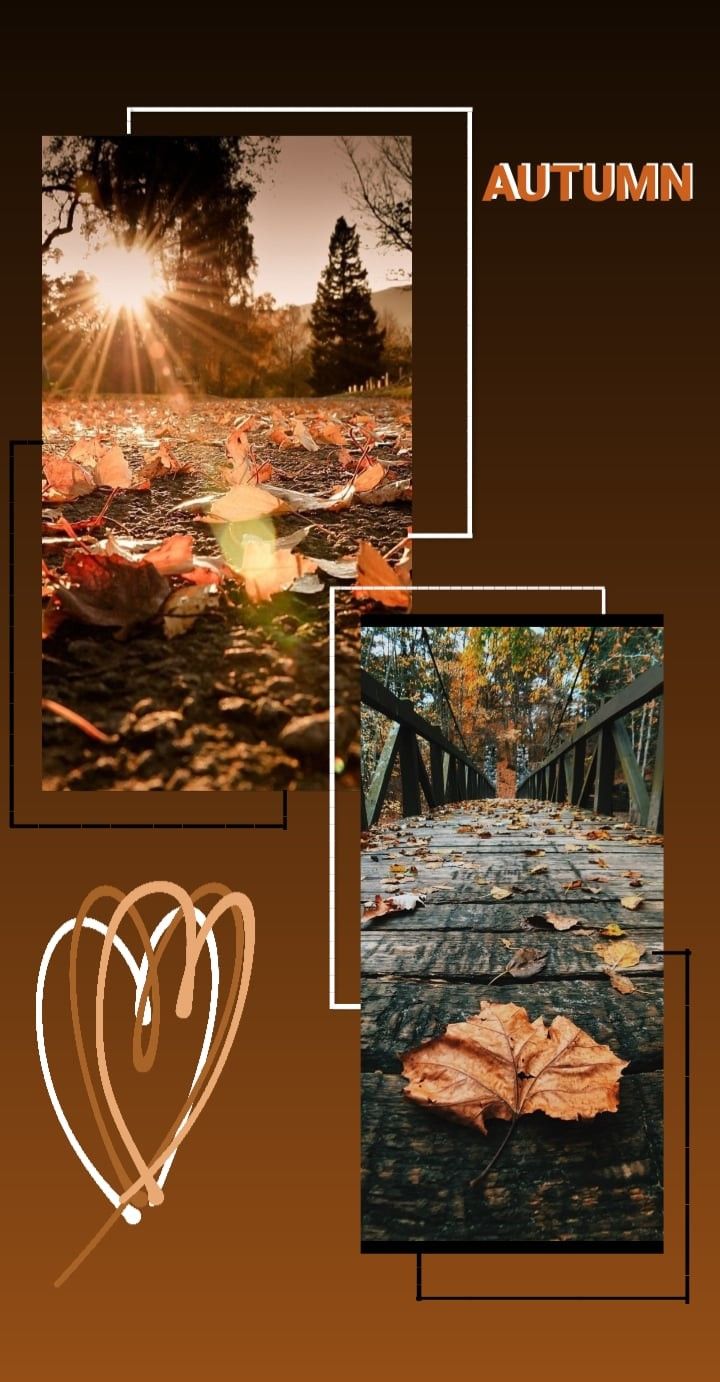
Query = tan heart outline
x=225 y=1033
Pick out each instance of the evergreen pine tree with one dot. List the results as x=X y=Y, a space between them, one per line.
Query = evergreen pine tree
x=347 y=343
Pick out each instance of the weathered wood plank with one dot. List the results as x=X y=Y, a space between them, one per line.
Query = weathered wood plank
x=400 y=1014
x=508 y=917
x=597 y=1181
x=462 y=954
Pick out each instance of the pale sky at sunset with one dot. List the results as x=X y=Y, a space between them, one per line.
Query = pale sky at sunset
x=293 y=215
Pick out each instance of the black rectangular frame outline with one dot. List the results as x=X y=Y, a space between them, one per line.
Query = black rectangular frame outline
x=83 y=825
x=685 y=1297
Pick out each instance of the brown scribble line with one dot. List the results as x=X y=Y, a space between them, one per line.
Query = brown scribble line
x=87 y=904
x=222 y=1041
x=90 y=1247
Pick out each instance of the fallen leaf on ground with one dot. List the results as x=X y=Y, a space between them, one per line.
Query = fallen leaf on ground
x=500 y=893
x=302 y=437
x=65 y=479
x=369 y=478
x=526 y=962
x=539 y=868
x=561 y=923
x=632 y=903
x=620 y=982
x=243 y=503
x=174 y=556
x=612 y=930
x=391 y=493
x=373 y=570
x=400 y=902
x=112 y=469
x=571 y=887
x=499 y=1064
x=109 y=590
x=182 y=608
x=620 y=954
x=330 y=433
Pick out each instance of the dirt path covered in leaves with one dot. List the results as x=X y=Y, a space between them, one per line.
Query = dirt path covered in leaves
x=238 y=699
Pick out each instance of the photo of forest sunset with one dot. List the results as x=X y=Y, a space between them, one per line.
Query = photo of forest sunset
x=227 y=431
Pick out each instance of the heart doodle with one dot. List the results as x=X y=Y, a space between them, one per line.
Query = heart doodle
x=145 y=1184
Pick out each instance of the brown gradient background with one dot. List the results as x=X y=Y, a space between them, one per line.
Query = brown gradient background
x=595 y=440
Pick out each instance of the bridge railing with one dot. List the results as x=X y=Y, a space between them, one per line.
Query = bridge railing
x=453 y=776
x=581 y=771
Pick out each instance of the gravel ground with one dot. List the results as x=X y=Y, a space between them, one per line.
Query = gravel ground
x=207 y=711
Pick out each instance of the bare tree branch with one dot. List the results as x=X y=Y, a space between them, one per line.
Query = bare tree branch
x=382 y=188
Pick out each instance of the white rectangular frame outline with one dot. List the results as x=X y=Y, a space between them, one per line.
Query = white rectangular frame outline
x=467 y=111
x=355 y=1007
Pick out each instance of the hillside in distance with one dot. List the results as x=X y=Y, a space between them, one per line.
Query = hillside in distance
x=394 y=303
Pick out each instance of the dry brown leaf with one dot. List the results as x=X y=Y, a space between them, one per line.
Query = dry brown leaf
x=620 y=954
x=539 y=868
x=86 y=450
x=526 y=962
x=109 y=590
x=243 y=503
x=399 y=902
x=499 y=1064
x=65 y=479
x=620 y=982
x=113 y=470
x=631 y=903
x=571 y=887
x=330 y=433
x=183 y=606
x=500 y=893
x=370 y=478
x=561 y=923
x=174 y=556
x=301 y=436
x=374 y=570
x=612 y=929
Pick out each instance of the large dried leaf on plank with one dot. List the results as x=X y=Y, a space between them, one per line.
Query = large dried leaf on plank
x=399 y=902
x=623 y=954
x=499 y=1064
x=526 y=962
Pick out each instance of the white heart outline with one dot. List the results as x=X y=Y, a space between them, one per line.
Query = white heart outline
x=130 y=1214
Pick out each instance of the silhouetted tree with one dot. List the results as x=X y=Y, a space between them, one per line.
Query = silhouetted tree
x=347 y=343
x=186 y=198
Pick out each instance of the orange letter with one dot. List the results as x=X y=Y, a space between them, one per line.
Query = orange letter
x=589 y=182
x=644 y=186
x=501 y=183
x=566 y=171
x=672 y=181
x=542 y=182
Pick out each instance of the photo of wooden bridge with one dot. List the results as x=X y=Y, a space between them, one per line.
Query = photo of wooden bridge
x=457 y=879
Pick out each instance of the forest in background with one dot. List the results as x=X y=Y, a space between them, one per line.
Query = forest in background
x=516 y=692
